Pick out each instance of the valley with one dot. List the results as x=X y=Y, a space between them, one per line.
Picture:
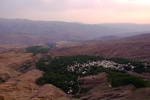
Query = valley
x=73 y=61
x=37 y=75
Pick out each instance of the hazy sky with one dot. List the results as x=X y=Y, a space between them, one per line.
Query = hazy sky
x=86 y=11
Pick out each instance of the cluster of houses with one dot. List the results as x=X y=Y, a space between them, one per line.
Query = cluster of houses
x=104 y=63
x=83 y=68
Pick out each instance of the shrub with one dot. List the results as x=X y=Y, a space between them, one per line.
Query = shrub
x=120 y=79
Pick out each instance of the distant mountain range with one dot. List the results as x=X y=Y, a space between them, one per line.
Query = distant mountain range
x=31 y=32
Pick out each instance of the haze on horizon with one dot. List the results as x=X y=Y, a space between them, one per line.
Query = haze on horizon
x=85 y=11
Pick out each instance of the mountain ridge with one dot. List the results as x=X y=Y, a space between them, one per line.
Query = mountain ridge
x=30 y=32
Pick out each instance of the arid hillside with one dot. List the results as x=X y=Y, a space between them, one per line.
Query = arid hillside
x=136 y=47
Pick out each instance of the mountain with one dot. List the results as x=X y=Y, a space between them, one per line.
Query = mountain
x=24 y=31
x=128 y=26
x=135 y=47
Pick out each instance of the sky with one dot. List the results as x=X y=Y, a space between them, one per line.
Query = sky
x=85 y=11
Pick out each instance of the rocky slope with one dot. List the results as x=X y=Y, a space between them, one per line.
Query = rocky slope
x=20 y=84
x=24 y=87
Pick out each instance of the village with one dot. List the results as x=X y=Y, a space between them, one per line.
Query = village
x=82 y=68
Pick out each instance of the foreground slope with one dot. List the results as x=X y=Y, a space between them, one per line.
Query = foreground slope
x=18 y=76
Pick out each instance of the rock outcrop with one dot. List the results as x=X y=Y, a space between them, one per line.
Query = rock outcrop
x=23 y=87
